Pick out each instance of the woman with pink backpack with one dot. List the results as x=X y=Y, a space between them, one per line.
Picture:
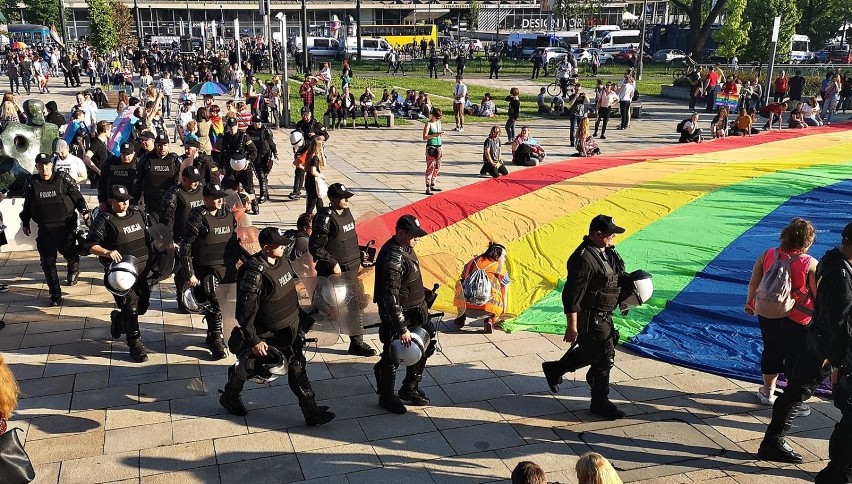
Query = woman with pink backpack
x=781 y=293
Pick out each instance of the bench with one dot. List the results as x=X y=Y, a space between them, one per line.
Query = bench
x=388 y=115
x=326 y=119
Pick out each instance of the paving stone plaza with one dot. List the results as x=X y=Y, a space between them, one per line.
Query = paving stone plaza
x=90 y=414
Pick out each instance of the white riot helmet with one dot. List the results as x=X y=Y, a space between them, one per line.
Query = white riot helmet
x=190 y=301
x=638 y=289
x=121 y=276
x=297 y=139
x=239 y=162
x=261 y=369
x=411 y=354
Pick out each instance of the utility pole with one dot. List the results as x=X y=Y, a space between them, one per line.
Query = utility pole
x=642 y=40
x=305 y=37
x=773 y=50
x=358 y=27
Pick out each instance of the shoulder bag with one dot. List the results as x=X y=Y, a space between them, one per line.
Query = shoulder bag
x=15 y=466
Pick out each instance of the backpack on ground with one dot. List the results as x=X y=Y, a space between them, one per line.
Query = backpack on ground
x=476 y=287
x=775 y=296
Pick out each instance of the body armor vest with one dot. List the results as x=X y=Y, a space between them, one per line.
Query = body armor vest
x=51 y=206
x=603 y=290
x=344 y=245
x=219 y=247
x=162 y=174
x=122 y=174
x=185 y=201
x=129 y=236
x=280 y=308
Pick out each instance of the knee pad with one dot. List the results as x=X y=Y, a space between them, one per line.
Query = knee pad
x=430 y=349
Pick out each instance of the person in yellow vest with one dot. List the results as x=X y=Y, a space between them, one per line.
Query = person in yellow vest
x=472 y=299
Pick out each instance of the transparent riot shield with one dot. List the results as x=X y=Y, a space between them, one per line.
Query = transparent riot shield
x=248 y=238
x=164 y=257
x=238 y=207
x=319 y=300
x=227 y=295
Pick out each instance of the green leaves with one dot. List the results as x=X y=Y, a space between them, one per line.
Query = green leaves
x=734 y=34
x=103 y=36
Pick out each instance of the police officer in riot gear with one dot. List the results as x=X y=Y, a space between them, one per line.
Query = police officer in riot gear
x=828 y=351
x=334 y=246
x=210 y=254
x=269 y=315
x=402 y=302
x=261 y=137
x=178 y=202
x=144 y=142
x=157 y=172
x=234 y=141
x=52 y=199
x=201 y=161
x=115 y=233
x=310 y=128
x=119 y=170
x=590 y=295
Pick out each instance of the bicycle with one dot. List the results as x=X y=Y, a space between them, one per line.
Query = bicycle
x=690 y=68
x=554 y=89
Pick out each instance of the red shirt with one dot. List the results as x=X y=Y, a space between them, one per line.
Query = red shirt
x=712 y=78
x=775 y=108
x=781 y=84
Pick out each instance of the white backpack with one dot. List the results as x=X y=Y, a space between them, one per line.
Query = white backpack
x=775 y=296
x=476 y=287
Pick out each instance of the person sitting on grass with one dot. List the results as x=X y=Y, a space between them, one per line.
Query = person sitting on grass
x=797 y=118
x=557 y=106
x=487 y=108
x=543 y=108
x=525 y=149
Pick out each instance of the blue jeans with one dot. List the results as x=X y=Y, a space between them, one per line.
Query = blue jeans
x=575 y=120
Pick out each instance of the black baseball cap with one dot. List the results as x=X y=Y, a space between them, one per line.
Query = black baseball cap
x=161 y=139
x=214 y=191
x=191 y=173
x=339 y=191
x=256 y=119
x=191 y=143
x=231 y=122
x=605 y=224
x=119 y=193
x=847 y=231
x=410 y=224
x=272 y=236
x=305 y=109
x=127 y=148
x=147 y=135
x=43 y=158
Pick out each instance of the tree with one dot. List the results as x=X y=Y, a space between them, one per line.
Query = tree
x=702 y=15
x=122 y=21
x=42 y=12
x=821 y=18
x=473 y=15
x=761 y=14
x=734 y=34
x=10 y=10
x=102 y=35
x=575 y=9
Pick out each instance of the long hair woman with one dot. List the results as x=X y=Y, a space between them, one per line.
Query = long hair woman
x=8 y=394
x=784 y=337
x=434 y=149
x=593 y=468
x=313 y=174
x=586 y=144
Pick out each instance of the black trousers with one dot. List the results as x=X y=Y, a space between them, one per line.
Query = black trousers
x=783 y=343
x=134 y=303
x=839 y=468
x=493 y=72
x=595 y=349
x=415 y=317
x=624 y=109
x=494 y=171
x=298 y=181
x=603 y=115
x=313 y=200
x=49 y=241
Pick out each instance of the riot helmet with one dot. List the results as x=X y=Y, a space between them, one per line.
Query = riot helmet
x=121 y=276
x=261 y=369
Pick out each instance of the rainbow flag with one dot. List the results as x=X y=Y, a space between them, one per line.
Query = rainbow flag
x=730 y=101
x=697 y=217
x=217 y=127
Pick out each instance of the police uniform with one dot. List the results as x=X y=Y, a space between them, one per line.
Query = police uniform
x=266 y=151
x=829 y=337
x=52 y=204
x=177 y=203
x=137 y=143
x=210 y=253
x=118 y=171
x=155 y=176
x=203 y=162
x=334 y=242
x=127 y=235
x=592 y=291
x=402 y=302
x=268 y=310
x=309 y=129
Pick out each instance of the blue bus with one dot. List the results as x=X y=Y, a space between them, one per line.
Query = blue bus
x=30 y=34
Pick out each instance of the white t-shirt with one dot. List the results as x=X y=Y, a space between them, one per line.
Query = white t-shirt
x=459 y=93
x=167 y=86
x=73 y=166
x=626 y=93
x=609 y=99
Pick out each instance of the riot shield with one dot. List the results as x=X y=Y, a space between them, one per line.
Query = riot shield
x=371 y=225
x=164 y=257
x=322 y=306
x=248 y=238
x=227 y=295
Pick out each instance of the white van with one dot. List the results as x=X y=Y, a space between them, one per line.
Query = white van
x=569 y=38
x=529 y=42
x=321 y=46
x=617 y=40
x=800 y=48
x=371 y=48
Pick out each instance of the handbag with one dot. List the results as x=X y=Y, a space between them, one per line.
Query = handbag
x=322 y=187
x=15 y=465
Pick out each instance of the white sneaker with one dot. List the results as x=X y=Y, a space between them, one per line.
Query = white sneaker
x=800 y=410
x=764 y=399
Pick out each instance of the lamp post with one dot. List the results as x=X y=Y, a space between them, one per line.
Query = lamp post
x=357 y=27
x=237 y=41
x=305 y=37
x=285 y=85
x=773 y=47
x=642 y=40
x=62 y=19
x=151 y=16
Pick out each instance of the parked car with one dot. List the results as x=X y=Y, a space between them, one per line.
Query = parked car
x=667 y=56
x=821 y=56
x=477 y=44
x=840 y=56
x=627 y=56
x=552 y=55
x=584 y=56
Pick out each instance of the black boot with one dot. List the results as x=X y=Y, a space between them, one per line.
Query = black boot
x=73 y=270
x=834 y=473
x=552 y=374
x=264 y=186
x=297 y=378
x=385 y=381
x=776 y=449
x=358 y=347
x=262 y=195
x=137 y=350
x=215 y=339
x=410 y=389
x=601 y=406
x=230 y=398
x=51 y=277
x=116 y=327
